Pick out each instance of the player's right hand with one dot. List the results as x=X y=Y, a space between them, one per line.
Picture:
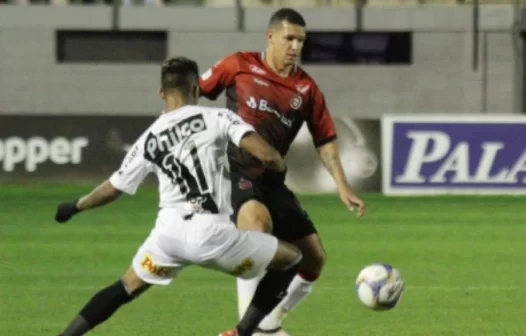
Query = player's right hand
x=352 y=201
x=65 y=211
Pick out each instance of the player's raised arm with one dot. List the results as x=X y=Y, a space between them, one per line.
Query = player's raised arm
x=130 y=175
x=244 y=135
x=322 y=128
x=103 y=194
x=219 y=77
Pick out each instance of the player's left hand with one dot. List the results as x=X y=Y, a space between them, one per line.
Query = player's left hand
x=65 y=211
x=352 y=201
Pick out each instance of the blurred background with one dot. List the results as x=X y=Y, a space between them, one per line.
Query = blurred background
x=88 y=70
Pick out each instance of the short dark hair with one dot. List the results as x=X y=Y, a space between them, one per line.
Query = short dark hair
x=179 y=73
x=288 y=15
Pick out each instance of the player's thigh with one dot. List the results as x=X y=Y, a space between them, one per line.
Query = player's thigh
x=290 y=221
x=247 y=253
x=253 y=215
x=250 y=212
x=152 y=265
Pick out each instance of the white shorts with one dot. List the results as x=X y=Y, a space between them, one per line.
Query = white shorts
x=210 y=241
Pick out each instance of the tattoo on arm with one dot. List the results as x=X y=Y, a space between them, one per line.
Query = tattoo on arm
x=330 y=161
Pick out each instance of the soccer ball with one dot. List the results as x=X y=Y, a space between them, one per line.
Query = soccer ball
x=379 y=286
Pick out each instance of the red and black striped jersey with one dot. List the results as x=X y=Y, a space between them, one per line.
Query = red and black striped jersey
x=276 y=106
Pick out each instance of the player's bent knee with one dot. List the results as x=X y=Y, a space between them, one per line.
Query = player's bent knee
x=314 y=254
x=133 y=284
x=319 y=259
x=254 y=216
x=287 y=256
x=313 y=262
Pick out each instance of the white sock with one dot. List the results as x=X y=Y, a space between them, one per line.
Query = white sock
x=298 y=289
x=245 y=293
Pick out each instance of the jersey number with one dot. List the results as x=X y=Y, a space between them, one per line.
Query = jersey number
x=188 y=184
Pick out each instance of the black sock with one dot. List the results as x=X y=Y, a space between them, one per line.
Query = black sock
x=101 y=306
x=271 y=290
x=79 y=326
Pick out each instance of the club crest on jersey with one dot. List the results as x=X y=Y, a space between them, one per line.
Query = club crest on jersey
x=296 y=102
x=244 y=184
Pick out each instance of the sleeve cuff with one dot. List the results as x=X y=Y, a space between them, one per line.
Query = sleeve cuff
x=237 y=136
x=117 y=182
x=325 y=141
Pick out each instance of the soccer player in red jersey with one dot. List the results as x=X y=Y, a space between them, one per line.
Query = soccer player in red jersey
x=270 y=91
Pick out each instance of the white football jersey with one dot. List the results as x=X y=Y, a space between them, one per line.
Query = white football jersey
x=186 y=149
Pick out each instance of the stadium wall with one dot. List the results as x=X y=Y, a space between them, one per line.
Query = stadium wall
x=440 y=80
x=89 y=148
x=63 y=122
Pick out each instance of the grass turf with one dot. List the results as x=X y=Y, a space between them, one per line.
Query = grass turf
x=462 y=259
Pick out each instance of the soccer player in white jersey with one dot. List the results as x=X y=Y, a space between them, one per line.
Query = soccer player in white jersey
x=186 y=148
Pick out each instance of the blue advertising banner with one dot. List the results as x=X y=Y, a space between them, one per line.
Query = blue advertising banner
x=454 y=154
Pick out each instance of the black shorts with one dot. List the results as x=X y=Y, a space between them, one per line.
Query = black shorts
x=289 y=220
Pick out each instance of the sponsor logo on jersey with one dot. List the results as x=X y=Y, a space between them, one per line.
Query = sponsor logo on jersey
x=257 y=70
x=245 y=266
x=263 y=106
x=200 y=204
x=149 y=265
x=231 y=117
x=260 y=82
x=162 y=142
x=302 y=88
x=130 y=157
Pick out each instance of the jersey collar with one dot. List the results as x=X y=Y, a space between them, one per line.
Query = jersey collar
x=294 y=67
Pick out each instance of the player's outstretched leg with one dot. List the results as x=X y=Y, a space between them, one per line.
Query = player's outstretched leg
x=314 y=257
x=271 y=290
x=254 y=216
x=106 y=302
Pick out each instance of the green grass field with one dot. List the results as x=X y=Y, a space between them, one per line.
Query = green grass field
x=463 y=260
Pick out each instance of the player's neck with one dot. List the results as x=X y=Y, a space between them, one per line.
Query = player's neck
x=278 y=67
x=174 y=103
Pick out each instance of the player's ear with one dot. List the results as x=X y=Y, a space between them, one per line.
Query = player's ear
x=269 y=34
x=161 y=93
x=195 y=92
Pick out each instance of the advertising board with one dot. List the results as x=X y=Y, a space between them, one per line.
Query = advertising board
x=448 y=154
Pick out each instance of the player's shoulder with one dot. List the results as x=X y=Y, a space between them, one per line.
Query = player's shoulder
x=254 y=56
x=213 y=112
x=305 y=83
x=239 y=57
x=208 y=109
x=243 y=59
